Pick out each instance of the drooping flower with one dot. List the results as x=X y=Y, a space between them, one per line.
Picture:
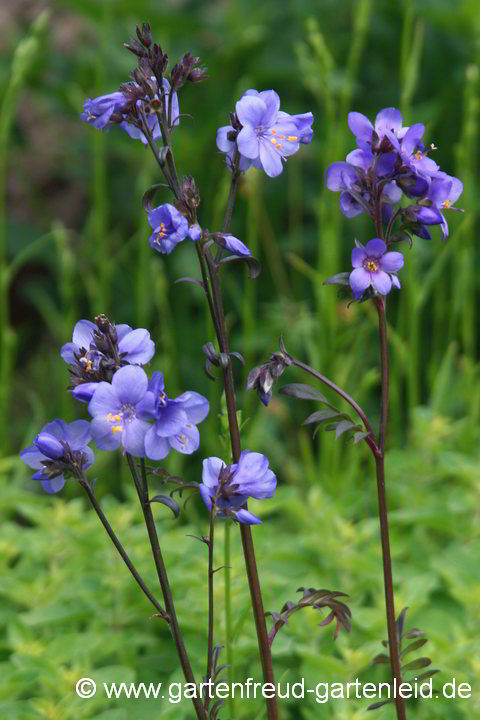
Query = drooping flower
x=59 y=450
x=374 y=267
x=119 y=410
x=265 y=136
x=117 y=108
x=99 y=349
x=263 y=377
x=443 y=193
x=236 y=246
x=225 y=488
x=175 y=420
x=170 y=227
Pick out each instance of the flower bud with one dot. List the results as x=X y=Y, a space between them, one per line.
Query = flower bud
x=49 y=446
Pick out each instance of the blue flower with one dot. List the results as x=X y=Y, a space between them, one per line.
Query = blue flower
x=58 y=450
x=169 y=228
x=225 y=488
x=443 y=192
x=175 y=420
x=118 y=410
x=236 y=246
x=374 y=267
x=267 y=135
x=98 y=350
x=115 y=109
x=98 y=112
x=388 y=123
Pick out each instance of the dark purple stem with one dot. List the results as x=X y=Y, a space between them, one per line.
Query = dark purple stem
x=383 y=511
x=370 y=440
x=142 y=490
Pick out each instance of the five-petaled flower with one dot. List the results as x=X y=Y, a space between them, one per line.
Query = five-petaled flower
x=375 y=267
x=267 y=135
x=225 y=488
x=170 y=227
x=175 y=420
x=99 y=349
x=59 y=450
x=119 y=410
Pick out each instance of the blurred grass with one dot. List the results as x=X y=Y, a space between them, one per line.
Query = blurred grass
x=75 y=241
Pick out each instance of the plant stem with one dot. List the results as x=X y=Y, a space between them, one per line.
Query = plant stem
x=228 y=614
x=383 y=512
x=345 y=396
x=142 y=490
x=103 y=519
x=210 y=603
x=245 y=530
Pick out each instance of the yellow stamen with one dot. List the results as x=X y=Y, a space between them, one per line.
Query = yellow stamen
x=116 y=429
x=282 y=137
x=418 y=155
x=447 y=203
x=112 y=418
x=372 y=265
x=274 y=132
x=292 y=138
x=161 y=234
x=273 y=140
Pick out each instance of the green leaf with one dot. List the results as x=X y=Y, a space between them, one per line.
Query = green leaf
x=417 y=664
x=305 y=392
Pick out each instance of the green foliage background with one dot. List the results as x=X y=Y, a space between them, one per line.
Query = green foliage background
x=74 y=244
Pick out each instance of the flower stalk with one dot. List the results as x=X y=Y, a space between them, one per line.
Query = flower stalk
x=141 y=485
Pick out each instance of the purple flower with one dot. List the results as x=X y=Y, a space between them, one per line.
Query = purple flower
x=413 y=155
x=116 y=108
x=58 y=451
x=266 y=135
x=118 y=410
x=375 y=267
x=236 y=246
x=169 y=228
x=98 y=112
x=388 y=123
x=98 y=349
x=175 y=420
x=225 y=488
x=443 y=192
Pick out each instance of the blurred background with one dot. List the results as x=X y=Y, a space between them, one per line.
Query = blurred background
x=73 y=243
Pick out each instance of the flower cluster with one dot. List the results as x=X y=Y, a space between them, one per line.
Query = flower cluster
x=99 y=349
x=170 y=227
x=59 y=450
x=261 y=135
x=391 y=161
x=225 y=488
x=131 y=108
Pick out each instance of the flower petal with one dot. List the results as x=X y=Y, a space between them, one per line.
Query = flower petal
x=211 y=470
x=130 y=384
x=134 y=437
x=170 y=420
x=105 y=400
x=360 y=126
x=138 y=346
x=247 y=142
x=78 y=434
x=359 y=281
x=375 y=248
x=251 y=110
x=391 y=262
x=358 y=256
x=195 y=405
x=223 y=143
x=247 y=518
x=82 y=333
x=187 y=441
x=381 y=282
x=156 y=447
x=270 y=159
x=388 y=119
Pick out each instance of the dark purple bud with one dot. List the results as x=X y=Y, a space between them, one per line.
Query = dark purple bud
x=144 y=34
x=106 y=327
x=424 y=214
x=49 y=446
x=197 y=75
x=84 y=392
x=412 y=185
x=136 y=48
